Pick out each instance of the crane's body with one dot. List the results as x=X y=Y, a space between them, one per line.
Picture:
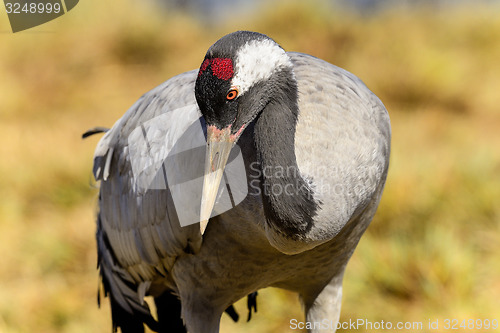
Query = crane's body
x=339 y=150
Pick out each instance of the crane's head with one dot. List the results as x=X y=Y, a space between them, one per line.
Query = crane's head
x=236 y=80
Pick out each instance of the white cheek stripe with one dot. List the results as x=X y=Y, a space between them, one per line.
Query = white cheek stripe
x=256 y=61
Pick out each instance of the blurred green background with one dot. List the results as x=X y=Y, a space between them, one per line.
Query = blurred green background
x=433 y=249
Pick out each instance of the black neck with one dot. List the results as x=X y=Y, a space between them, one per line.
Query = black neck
x=288 y=199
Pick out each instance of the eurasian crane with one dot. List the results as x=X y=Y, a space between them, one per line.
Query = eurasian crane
x=300 y=149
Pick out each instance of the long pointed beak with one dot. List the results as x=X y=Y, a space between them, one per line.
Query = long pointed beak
x=219 y=144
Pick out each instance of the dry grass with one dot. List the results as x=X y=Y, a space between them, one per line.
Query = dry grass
x=433 y=250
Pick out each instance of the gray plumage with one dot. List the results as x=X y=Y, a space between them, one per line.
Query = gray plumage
x=340 y=144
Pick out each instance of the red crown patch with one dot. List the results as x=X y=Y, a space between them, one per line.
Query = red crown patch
x=221 y=67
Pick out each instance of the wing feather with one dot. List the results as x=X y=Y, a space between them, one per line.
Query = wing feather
x=138 y=230
x=341 y=116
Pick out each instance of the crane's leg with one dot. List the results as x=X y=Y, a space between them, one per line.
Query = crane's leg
x=322 y=309
x=168 y=308
x=201 y=317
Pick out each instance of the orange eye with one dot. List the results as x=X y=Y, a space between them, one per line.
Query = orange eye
x=232 y=94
